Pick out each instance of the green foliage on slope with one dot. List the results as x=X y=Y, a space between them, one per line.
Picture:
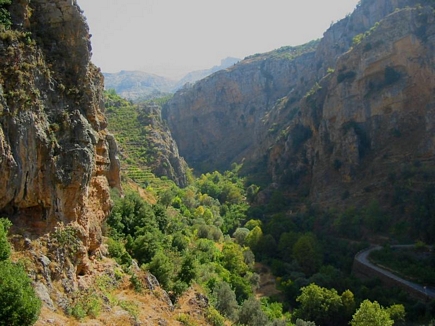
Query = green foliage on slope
x=211 y=232
x=135 y=129
x=287 y=52
x=131 y=135
x=5 y=16
x=183 y=239
x=19 y=304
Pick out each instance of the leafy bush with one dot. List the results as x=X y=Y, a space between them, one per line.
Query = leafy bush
x=67 y=239
x=5 y=248
x=87 y=304
x=225 y=299
x=118 y=252
x=371 y=314
x=136 y=283
x=214 y=317
x=5 y=16
x=251 y=313
x=19 y=304
x=162 y=267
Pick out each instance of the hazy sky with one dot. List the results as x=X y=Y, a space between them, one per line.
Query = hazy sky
x=172 y=37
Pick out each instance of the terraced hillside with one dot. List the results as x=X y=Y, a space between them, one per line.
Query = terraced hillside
x=149 y=156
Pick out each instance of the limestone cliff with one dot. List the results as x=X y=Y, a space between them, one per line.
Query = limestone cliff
x=333 y=122
x=218 y=119
x=57 y=159
x=368 y=121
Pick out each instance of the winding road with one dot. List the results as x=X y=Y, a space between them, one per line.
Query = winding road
x=362 y=257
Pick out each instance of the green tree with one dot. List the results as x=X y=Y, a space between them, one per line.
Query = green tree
x=242 y=287
x=118 y=252
x=189 y=269
x=251 y=192
x=374 y=218
x=5 y=16
x=251 y=313
x=300 y=322
x=285 y=245
x=162 y=267
x=347 y=298
x=254 y=237
x=225 y=299
x=166 y=197
x=145 y=246
x=240 y=235
x=371 y=314
x=319 y=305
x=19 y=304
x=397 y=313
x=252 y=224
x=206 y=251
x=161 y=217
x=180 y=242
x=266 y=247
x=307 y=254
x=5 y=248
x=130 y=214
x=232 y=258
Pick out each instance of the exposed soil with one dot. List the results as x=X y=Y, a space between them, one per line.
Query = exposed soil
x=267 y=286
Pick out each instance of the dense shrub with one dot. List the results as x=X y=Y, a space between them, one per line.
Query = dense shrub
x=371 y=314
x=19 y=304
x=5 y=248
x=225 y=300
x=251 y=313
x=5 y=16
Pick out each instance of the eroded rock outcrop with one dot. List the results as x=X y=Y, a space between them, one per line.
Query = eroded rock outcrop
x=57 y=159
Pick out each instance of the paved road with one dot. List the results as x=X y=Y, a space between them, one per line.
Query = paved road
x=362 y=257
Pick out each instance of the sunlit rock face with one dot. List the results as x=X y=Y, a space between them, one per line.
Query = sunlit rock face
x=57 y=159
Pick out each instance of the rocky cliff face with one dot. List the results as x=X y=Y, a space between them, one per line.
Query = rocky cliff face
x=57 y=160
x=217 y=120
x=370 y=119
x=334 y=123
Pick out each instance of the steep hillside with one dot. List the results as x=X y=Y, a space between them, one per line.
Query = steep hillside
x=57 y=165
x=145 y=142
x=333 y=122
x=369 y=124
x=218 y=119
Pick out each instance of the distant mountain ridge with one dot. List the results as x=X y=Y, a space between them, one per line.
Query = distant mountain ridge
x=139 y=85
x=196 y=75
x=136 y=85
